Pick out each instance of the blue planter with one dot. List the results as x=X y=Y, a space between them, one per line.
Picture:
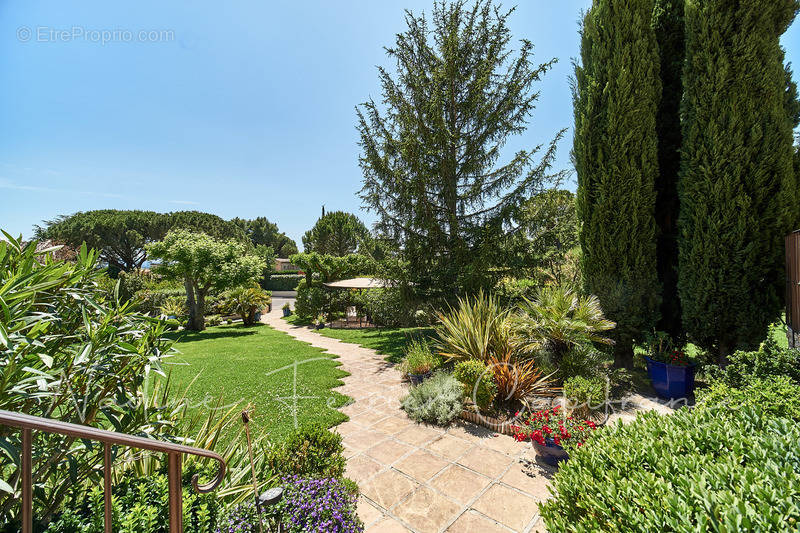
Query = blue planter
x=416 y=379
x=671 y=381
x=551 y=453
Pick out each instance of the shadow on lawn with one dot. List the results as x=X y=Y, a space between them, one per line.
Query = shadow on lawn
x=222 y=332
x=392 y=342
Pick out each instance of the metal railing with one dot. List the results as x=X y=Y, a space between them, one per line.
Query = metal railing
x=175 y=452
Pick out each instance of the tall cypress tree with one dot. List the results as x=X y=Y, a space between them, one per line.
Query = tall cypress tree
x=736 y=174
x=616 y=96
x=669 y=28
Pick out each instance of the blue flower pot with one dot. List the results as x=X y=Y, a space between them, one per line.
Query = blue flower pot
x=671 y=381
x=416 y=379
x=550 y=454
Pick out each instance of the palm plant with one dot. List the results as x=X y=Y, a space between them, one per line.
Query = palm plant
x=558 y=320
x=472 y=329
x=246 y=302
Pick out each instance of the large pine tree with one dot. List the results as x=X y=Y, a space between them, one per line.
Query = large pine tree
x=616 y=96
x=737 y=182
x=431 y=150
x=669 y=27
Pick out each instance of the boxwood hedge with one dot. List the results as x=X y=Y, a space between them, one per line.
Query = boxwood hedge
x=282 y=282
x=695 y=470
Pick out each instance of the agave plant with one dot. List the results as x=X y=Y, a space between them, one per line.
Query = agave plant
x=559 y=320
x=472 y=329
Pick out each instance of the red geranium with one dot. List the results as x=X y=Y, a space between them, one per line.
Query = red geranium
x=565 y=430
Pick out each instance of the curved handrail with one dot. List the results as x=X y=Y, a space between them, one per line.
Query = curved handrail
x=49 y=425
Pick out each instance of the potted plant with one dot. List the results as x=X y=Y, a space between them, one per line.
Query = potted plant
x=670 y=370
x=419 y=362
x=550 y=431
x=287 y=311
x=320 y=321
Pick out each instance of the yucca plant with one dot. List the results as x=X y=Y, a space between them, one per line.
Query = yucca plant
x=471 y=329
x=559 y=320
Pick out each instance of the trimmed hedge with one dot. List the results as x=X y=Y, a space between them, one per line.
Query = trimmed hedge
x=282 y=282
x=695 y=470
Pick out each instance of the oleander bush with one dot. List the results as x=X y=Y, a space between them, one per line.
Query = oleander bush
x=477 y=380
x=437 y=400
x=695 y=470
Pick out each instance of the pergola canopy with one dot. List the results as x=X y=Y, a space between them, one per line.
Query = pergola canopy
x=360 y=283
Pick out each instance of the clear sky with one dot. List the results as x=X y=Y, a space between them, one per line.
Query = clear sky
x=235 y=108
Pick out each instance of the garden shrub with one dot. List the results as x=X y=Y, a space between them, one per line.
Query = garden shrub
x=472 y=372
x=437 y=400
x=282 y=282
x=513 y=291
x=139 y=504
x=695 y=470
x=390 y=308
x=309 y=452
x=320 y=505
x=419 y=359
x=472 y=329
x=776 y=395
x=310 y=302
x=769 y=360
x=585 y=395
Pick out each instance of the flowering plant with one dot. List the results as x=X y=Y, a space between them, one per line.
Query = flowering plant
x=661 y=348
x=322 y=505
x=552 y=426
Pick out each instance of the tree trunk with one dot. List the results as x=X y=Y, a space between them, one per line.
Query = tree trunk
x=196 y=302
x=623 y=354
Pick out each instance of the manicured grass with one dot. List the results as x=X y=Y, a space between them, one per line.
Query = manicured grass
x=255 y=365
x=390 y=342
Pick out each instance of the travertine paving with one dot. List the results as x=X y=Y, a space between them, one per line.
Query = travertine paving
x=420 y=478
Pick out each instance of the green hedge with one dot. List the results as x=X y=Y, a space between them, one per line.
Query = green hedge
x=695 y=470
x=282 y=282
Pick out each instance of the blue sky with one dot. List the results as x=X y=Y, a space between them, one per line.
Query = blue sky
x=239 y=108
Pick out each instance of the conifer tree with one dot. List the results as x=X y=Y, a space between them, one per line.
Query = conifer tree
x=669 y=28
x=431 y=150
x=736 y=184
x=616 y=96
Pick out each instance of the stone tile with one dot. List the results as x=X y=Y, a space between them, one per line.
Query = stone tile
x=388 y=488
x=360 y=468
x=538 y=526
x=469 y=432
x=388 y=525
x=449 y=447
x=361 y=440
x=507 y=506
x=389 y=451
x=348 y=428
x=527 y=480
x=367 y=418
x=460 y=484
x=472 y=522
x=392 y=425
x=505 y=444
x=367 y=512
x=427 y=511
x=487 y=462
x=421 y=465
x=352 y=409
x=418 y=434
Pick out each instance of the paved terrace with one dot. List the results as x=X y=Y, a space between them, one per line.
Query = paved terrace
x=422 y=478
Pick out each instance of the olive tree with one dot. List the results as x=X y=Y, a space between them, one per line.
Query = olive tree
x=204 y=264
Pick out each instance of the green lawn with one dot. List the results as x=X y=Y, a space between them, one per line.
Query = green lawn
x=390 y=342
x=256 y=365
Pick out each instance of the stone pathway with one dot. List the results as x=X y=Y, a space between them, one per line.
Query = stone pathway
x=421 y=478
